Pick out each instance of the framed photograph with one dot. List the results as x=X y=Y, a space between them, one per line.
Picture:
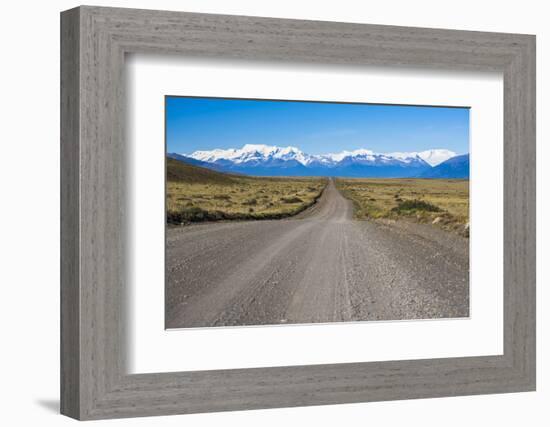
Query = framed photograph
x=263 y=213
x=316 y=233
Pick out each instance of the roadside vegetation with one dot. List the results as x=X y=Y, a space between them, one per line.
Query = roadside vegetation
x=441 y=202
x=196 y=194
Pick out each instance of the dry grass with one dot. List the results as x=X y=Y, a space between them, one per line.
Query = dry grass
x=441 y=202
x=196 y=194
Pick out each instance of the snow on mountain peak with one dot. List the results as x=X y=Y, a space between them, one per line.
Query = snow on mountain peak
x=338 y=157
x=432 y=157
x=251 y=152
x=436 y=156
x=262 y=152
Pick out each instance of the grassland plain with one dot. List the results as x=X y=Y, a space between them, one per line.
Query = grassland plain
x=441 y=202
x=196 y=194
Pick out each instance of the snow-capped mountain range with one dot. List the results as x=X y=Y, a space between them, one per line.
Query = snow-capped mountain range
x=259 y=159
x=260 y=152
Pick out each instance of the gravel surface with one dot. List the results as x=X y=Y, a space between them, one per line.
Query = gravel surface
x=319 y=267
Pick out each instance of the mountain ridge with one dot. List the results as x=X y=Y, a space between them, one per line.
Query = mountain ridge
x=266 y=160
x=457 y=167
x=251 y=152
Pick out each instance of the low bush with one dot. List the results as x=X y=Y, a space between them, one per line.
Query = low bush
x=192 y=214
x=293 y=199
x=222 y=197
x=411 y=206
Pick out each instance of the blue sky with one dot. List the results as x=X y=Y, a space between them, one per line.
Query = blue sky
x=315 y=128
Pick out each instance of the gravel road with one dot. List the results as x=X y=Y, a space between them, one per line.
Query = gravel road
x=321 y=266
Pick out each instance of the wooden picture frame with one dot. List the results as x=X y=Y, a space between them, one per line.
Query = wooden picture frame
x=94 y=382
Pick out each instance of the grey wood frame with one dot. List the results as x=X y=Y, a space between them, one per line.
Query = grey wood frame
x=94 y=382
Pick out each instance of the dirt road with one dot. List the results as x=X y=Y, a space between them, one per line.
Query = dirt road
x=319 y=267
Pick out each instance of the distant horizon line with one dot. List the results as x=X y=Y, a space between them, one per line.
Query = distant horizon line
x=260 y=152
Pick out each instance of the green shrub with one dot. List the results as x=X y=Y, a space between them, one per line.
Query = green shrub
x=293 y=199
x=192 y=214
x=411 y=206
x=222 y=197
